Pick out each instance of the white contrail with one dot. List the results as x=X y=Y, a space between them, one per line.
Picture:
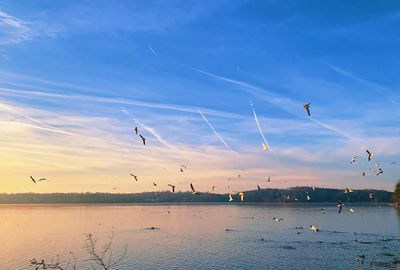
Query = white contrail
x=215 y=132
x=259 y=127
x=152 y=51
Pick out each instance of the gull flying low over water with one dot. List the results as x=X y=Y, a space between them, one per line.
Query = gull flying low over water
x=348 y=190
x=230 y=197
x=194 y=192
x=258 y=188
x=143 y=139
x=370 y=155
x=269 y=179
x=213 y=188
x=277 y=219
x=323 y=211
x=339 y=204
x=371 y=195
x=307 y=108
x=172 y=186
x=241 y=194
x=308 y=198
x=380 y=172
x=363 y=174
x=314 y=228
x=154 y=184
x=351 y=210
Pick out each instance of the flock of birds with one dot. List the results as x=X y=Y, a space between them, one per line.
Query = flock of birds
x=307 y=107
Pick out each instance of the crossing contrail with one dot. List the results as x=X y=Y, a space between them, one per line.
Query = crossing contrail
x=215 y=132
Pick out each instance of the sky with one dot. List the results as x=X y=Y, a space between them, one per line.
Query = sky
x=207 y=83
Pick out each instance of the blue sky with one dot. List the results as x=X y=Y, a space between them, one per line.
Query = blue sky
x=77 y=76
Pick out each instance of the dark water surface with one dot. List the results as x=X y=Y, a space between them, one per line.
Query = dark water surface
x=195 y=236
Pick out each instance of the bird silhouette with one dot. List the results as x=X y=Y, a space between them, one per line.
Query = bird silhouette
x=154 y=184
x=230 y=197
x=143 y=139
x=136 y=130
x=258 y=188
x=213 y=188
x=172 y=186
x=194 y=192
x=323 y=211
x=380 y=172
x=370 y=155
x=307 y=108
x=33 y=179
x=340 y=205
x=277 y=219
x=314 y=228
x=134 y=176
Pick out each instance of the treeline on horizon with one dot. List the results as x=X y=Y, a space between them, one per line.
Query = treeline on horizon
x=290 y=195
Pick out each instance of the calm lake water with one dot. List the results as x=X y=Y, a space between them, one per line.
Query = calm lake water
x=195 y=236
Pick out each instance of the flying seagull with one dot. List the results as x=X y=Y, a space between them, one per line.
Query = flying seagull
x=354 y=159
x=314 y=228
x=136 y=130
x=380 y=172
x=323 y=211
x=194 y=192
x=277 y=219
x=134 y=176
x=269 y=179
x=241 y=194
x=371 y=195
x=308 y=198
x=213 y=188
x=230 y=197
x=265 y=148
x=348 y=190
x=363 y=174
x=33 y=179
x=258 y=188
x=370 y=155
x=143 y=139
x=307 y=108
x=172 y=186
x=351 y=210
x=154 y=184
x=340 y=205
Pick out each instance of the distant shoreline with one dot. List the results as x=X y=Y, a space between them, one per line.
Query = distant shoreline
x=294 y=195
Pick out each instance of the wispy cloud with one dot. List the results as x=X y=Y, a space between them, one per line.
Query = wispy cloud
x=121 y=101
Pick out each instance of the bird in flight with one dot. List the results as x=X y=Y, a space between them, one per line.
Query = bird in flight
x=348 y=190
x=134 y=176
x=277 y=219
x=213 y=188
x=307 y=108
x=241 y=194
x=370 y=155
x=353 y=159
x=265 y=148
x=351 y=210
x=340 y=205
x=258 y=188
x=363 y=174
x=230 y=197
x=371 y=195
x=308 y=198
x=269 y=179
x=380 y=172
x=172 y=186
x=194 y=192
x=143 y=139
x=323 y=211
x=314 y=228
x=154 y=184
x=136 y=130
x=34 y=180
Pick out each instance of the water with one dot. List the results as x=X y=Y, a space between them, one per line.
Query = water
x=195 y=236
